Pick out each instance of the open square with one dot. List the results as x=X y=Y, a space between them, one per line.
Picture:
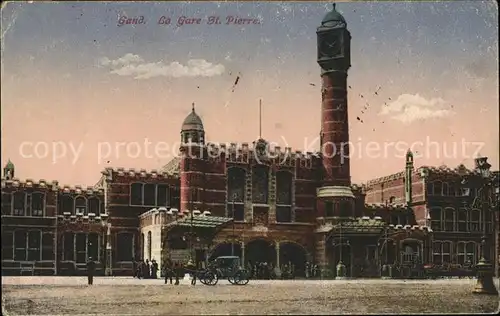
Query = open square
x=71 y=295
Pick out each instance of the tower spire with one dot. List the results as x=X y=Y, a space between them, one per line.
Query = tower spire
x=260 y=118
x=193 y=106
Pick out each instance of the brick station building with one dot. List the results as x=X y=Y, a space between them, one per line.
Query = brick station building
x=287 y=206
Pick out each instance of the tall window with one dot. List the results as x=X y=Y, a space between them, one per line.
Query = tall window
x=284 y=192
x=143 y=244
x=445 y=189
x=346 y=208
x=236 y=192
x=48 y=246
x=452 y=190
x=34 y=245
x=37 y=203
x=329 y=209
x=81 y=205
x=437 y=257
x=6 y=203
x=449 y=219
x=94 y=205
x=81 y=248
x=162 y=195
x=19 y=204
x=260 y=184
x=20 y=243
x=7 y=245
x=239 y=211
x=438 y=188
x=150 y=245
x=471 y=252
x=461 y=253
x=69 y=247
x=67 y=204
x=462 y=220
x=435 y=214
x=474 y=216
x=93 y=246
x=236 y=184
x=125 y=244
x=136 y=193
x=442 y=252
x=149 y=195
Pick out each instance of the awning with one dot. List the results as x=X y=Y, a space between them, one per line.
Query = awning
x=368 y=226
x=199 y=222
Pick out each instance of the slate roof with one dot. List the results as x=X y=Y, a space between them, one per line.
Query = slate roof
x=172 y=167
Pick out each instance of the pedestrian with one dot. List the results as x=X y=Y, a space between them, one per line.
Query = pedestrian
x=90 y=270
x=177 y=271
x=168 y=270
x=154 y=269
x=134 y=267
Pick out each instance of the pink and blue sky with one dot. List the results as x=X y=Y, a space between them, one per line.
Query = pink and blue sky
x=72 y=77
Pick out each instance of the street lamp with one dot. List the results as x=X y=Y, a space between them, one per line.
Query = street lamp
x=484 y=200
x=341 y=268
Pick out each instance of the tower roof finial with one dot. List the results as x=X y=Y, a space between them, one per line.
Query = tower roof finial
x=333 y=5
x=193 y=106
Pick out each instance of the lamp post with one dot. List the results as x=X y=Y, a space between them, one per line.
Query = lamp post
x=234 y=236
x=341 y=268
x=484 y=283
x=191 y=227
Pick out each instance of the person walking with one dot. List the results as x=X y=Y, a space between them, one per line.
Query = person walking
x=168 y=270
x=90 y=270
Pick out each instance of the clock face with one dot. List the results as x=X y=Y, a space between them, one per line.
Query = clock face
x=330 y=46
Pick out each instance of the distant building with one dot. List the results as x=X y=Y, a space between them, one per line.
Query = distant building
x=287 y=206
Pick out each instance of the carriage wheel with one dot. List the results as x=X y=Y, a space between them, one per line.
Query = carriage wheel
x=231 y=280
x=211 y=278
x=241 y=278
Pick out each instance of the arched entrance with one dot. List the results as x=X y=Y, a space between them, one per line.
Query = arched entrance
x=260 y=251
x=225 y=249
x=342 y=252
x=294 y=254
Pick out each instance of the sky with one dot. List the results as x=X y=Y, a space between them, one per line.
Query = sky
x=80 y=92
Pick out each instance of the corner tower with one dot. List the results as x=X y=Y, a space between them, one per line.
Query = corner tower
x=335 y=197
x=192 y=163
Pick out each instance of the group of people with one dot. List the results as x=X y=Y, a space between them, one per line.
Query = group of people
x=145 y=269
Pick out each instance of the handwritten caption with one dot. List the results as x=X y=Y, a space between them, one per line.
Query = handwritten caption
x=185 y=20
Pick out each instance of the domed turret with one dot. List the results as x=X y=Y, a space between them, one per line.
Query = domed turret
x=333 y=19
x=8 y=170
x=192 y=129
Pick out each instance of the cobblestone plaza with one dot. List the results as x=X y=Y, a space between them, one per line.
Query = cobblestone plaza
x=71 y=295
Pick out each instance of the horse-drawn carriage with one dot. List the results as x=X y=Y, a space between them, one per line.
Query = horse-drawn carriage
x=224 y=267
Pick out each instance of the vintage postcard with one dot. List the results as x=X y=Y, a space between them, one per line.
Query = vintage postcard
x=220 y=157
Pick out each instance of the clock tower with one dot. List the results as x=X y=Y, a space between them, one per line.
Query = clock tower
x=335 y=197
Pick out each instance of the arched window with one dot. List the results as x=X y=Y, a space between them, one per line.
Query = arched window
x=19 y=204
x=435 y=214
x=94 y=206
x=162 y=195
x=157 y=219
x=471 y=252
x=136 y=193
x=150 y=250
x=81 y=205
x=449 y=220
x=143 y=245
x=462 y=220
x=438 y=188
x=67 y=204
x=461 y=253
x=37 y=203
x=260 y=184
x=452 y=190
